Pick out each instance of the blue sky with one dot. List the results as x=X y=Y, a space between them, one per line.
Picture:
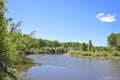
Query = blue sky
x=67 y=20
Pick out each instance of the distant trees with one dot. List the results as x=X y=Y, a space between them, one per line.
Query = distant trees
x=113 y=41
x=84 y=46
x=87 y=47
x=90 y=45
x=72 y=45
x=26 y=42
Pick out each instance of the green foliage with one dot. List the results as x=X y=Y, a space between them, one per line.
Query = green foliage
x=90 y=45
x=71 y=45
x=7 y=48
x=116 y=53
x=114 y=41
x=84 y=47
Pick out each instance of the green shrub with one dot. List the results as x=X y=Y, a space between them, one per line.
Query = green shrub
x=116 y=53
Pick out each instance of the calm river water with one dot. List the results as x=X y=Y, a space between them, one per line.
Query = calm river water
x=63 y=67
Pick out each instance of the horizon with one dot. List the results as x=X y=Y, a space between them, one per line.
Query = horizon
x=67 y=20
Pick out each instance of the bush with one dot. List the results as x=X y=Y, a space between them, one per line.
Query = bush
x=116 y=53
x=104 y=53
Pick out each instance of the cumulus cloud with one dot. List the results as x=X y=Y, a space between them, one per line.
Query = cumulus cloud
x=106 y=18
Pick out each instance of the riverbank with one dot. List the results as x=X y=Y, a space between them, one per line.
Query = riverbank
x=104 y=55
x=22 y=64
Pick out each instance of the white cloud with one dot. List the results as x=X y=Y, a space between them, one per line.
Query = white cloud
x=106 y=18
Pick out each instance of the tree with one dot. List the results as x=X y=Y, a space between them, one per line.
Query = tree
x=90 y=45
x=114 y=41
x=7 y=48
x=84 y=46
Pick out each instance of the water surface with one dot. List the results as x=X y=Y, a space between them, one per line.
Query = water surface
x=62 y=67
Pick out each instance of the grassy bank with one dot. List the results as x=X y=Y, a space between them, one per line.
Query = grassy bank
x=114 y=55
x=22 y=64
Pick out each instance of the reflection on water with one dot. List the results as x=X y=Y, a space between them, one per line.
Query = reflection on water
x=23 y=68
x=60 y=67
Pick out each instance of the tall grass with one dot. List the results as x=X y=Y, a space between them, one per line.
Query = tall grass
x=98 y=54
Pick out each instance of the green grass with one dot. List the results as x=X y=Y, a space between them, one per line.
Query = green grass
x=114 y=55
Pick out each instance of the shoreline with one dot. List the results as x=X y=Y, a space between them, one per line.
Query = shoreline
x=117 y=58
x=80 y=54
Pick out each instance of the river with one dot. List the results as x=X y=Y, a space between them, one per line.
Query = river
x=63 y=67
